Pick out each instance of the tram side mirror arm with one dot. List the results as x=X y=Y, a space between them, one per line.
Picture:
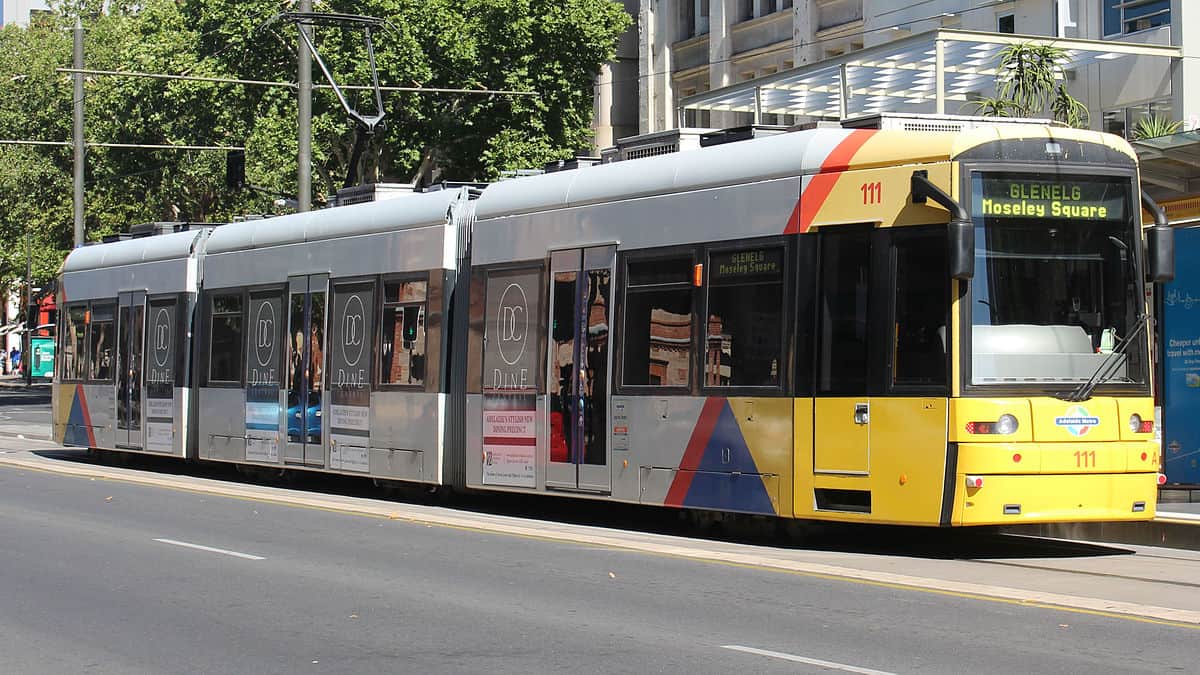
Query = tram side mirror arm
x=960 y=230
x=1160 y=244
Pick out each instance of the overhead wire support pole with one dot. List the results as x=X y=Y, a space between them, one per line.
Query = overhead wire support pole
x=304 y=116
x=77 y=126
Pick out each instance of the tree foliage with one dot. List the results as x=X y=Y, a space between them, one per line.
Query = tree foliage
x=553 y=48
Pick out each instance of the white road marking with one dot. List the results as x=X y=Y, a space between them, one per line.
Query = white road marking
x=801 y=659
x=210 y=549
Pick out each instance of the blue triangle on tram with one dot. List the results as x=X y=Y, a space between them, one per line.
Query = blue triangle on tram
x=715 y=485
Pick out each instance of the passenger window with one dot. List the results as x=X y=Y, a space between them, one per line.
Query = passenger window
x=100 y=353
x=744 y=331
x=225 y=339
x=845 y=281
x=74 y=340
x=657 y=348
x=922 y=300
x=402 y=340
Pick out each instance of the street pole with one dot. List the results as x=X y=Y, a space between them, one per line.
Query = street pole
x=304 y=106
x=78 y=134
x=27 y=351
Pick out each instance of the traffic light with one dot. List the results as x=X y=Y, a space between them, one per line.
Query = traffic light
x=31 y=318
x=235 y=169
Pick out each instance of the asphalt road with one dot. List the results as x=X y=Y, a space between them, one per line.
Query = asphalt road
x=109 y=577
x=24 y=411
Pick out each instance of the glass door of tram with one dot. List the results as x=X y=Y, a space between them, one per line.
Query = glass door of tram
x=130 y=343
x=306 y=370
x=578 y=367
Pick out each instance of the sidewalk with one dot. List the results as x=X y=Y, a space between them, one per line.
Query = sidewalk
x=14 y=381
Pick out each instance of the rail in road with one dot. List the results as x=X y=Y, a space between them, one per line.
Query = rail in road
x=1141 y=583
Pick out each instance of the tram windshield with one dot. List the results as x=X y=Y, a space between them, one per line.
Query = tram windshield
x=1056 y=286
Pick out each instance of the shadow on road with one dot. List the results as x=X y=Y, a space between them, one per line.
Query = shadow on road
x=884 y=540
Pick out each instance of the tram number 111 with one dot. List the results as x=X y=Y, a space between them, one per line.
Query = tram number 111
x=872 y=192
x=1085 y=459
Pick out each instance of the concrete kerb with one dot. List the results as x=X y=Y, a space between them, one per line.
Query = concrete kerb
x=713 y=552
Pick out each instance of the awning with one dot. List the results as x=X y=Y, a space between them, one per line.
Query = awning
x=1170 y=165
x=934 y=72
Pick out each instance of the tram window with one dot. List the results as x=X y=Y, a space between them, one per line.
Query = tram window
x=74 y=358
x=402 y=339
x=657 y=346
x=744 y=330
x=225 y=339
x=844 y=318
x=100 y=352
x=921 y=311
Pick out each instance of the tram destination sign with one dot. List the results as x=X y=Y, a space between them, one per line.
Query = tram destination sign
x=1057 y=198
x=758 y=264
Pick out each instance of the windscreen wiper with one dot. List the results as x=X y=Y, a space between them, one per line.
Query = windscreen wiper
x=1107 y=368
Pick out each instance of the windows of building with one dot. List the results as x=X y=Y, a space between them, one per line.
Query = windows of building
x=1006 y=23
x=693 y=18
x=1130 y=16
x=1124 y=121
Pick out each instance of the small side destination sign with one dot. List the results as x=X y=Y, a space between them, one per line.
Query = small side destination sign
x=759 y=264
x=1081 y=199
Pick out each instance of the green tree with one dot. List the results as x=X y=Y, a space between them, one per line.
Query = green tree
x=552 y=47
x=1030 y=83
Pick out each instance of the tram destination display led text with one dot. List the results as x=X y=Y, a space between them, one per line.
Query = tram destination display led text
x=1070 y=199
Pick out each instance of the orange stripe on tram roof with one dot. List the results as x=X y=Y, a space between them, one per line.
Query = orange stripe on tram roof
x=819 y=187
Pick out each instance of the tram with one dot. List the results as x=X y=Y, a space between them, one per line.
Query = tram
x=940 y=328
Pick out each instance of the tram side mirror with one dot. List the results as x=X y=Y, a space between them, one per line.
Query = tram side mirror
x=960 y=235
x=1160 y=245
x=962 y=249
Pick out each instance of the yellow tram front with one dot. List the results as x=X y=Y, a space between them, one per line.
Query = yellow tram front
x=1054 y=417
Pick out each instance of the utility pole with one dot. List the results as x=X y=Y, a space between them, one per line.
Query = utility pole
x=304 y=105
x=78 y=138
x=27 y=348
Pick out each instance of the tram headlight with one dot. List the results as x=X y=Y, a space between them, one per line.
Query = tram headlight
x=1005 y=425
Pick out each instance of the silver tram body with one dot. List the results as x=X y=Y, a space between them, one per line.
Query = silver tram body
x=553 y=334
x=123 y=380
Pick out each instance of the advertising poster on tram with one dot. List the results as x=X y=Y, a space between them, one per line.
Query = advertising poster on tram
x=160 y=376
x=262 y=379
x=349 y=377
x=1181 y=364
x=510 y=379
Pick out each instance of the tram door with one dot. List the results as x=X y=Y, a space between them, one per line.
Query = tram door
x=306 y=369
x=130 y=341
x=842 y=409
x=578 y=368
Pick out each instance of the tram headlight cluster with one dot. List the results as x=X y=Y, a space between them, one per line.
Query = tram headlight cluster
x=1005 y=425
x=1139 y=426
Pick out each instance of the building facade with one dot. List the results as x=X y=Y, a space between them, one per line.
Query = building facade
x=688 y=47
x=18 y=11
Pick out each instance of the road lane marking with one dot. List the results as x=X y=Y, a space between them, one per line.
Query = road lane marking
x=210 y=549
x=802 y=659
